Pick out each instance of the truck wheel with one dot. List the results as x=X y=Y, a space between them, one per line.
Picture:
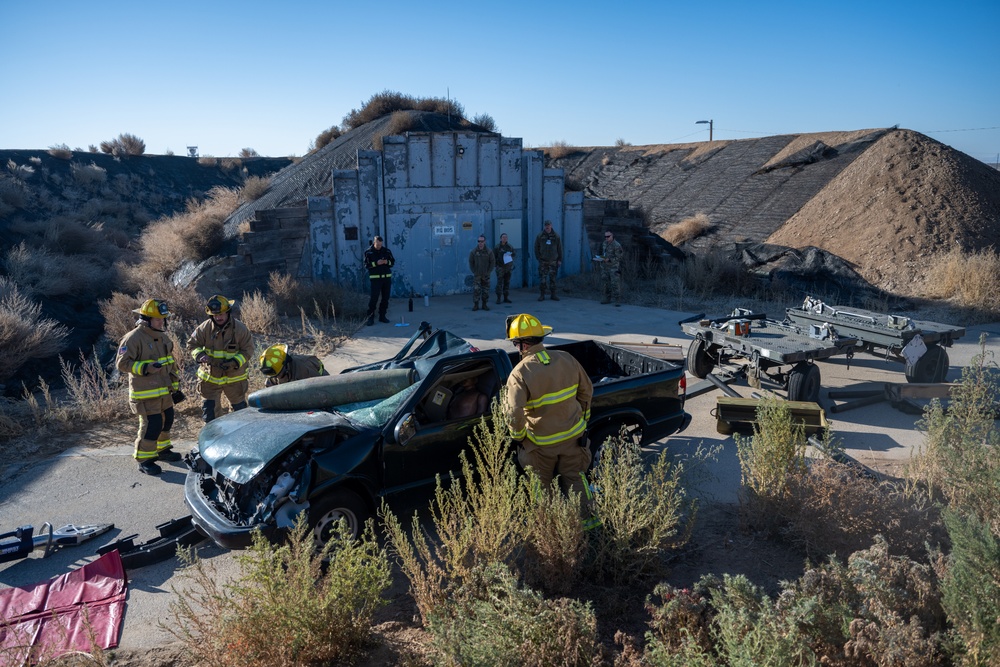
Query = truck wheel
x=633 y=434
x=803 y=383
x=699 y=363
x=341 y=504
x=931 y=367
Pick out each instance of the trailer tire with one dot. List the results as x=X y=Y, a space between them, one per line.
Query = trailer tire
x=804 y=383
x=699 y=362
x=341 y=504
x=931 y=367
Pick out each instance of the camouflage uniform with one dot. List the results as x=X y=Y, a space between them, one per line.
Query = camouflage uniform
x=481 y=263
x=504 y=271
x=548 y=252
x=611 y=271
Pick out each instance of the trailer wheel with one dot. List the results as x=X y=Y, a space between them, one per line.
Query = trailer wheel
x=931 y=367
x=804 y=383
x=699 y=362
x=325 y=513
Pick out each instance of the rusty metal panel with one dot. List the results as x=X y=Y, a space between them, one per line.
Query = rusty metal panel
x=534 y=169
x=489 y=160
x=369 y=195
x=575 y=258
x=321 y=237
x=432 y=245
x=443 y=159
x=349 y=234
x=419 y=161
x=394 y=167
x=510 y=162
x=466 y=159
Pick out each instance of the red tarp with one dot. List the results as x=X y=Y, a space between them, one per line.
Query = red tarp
x=65 y=613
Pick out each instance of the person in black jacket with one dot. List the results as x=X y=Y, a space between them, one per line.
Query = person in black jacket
x=379 y=262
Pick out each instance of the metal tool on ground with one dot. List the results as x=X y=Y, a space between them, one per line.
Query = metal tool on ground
x=22 y=541
x=173 y=533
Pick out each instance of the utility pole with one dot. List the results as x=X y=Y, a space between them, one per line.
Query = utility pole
x=710 y=124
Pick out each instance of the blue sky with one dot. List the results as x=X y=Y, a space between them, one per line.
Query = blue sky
x=271 y=76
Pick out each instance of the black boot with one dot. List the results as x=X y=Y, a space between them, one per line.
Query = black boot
x=208 y=410
x=485 y=306
x=371 y=319
x=506 y=300
x=239 y=406
x=499 y=301
x=383 y=319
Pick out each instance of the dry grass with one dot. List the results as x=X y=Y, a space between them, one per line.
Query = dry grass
x=207 y=161
x=254 y=188
x=971 y=280
x=124 y=145
x=88 y=176
x=687 y=229
x=44 y=274
x=24 y=333
x=558 y=149
x=325 y=137
x=258 y=313
x=185 y=304
x=388 y=101
x=248 y=152
x=61 y=152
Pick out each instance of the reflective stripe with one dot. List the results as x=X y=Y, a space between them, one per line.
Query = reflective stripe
x=519 y=435
x=553 y=398
x=384 y=275
x=148 y=394
x=576 y=431
x=543 y=357
x=240 y=358
x=208 y=377
x=142 y=456
x=137 y=367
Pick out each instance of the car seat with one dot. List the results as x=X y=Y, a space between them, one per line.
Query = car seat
x=436 y=403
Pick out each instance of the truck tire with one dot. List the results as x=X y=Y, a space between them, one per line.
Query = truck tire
x=931 y=367
x=633 y=433
x=804 y=383
x=341 y=504
x=699 y=363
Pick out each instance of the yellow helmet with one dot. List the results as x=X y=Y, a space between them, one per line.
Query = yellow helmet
x=153 y=308
x=526 y=326
x=272 y=360
x=219 y=304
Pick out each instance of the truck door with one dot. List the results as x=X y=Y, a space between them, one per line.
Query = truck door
x=444 y=411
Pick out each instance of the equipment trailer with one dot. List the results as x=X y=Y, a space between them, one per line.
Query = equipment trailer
x=917 y=343
x=767 y=346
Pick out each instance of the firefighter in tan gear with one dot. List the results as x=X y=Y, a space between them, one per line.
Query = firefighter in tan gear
x=145 y=354
x=279 y=366
x=548 y=402
x=221 y=345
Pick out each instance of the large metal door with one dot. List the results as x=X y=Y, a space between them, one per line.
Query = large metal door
x=440 y=244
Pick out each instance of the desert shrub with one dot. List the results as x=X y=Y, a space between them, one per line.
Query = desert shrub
x=320 y=299
x=325 y=137
x=388 y=101
x=687 y=229
x=12 y=421
x=13 y=194
x=679 y=627
x=831 y=508
x=24 y=333
x=41 y=273
x=644 y=512
x=124 y=145
x=285 y=608
x=971 y=279
x=716 y=273
x=478 y=520
x=195 y=234
x=254 y=187
x=21 y=172
x=185 y=304
x=558 y=149
x=958 y=458
x=399 y=122
x=208 y=161
x=88 y=176
x=258 y=313
x=248 y=152
x=72 y=236
x=91 y=394
x=485 y=121
x=971 y=587
x=767 y=459
x=621 y=143
x=230 y=163
x=283 y=288
x=555 y=542
x=61 y=152
x=505 y=624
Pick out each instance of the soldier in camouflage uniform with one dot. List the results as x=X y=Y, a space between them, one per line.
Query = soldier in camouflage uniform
x=611 y=269
x=481 y=263
x=504 y=271
x=548 y=252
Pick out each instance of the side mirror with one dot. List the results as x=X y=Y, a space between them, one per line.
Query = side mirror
x=405 y=429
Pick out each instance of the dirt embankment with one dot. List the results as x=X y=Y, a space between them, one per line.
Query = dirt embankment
x=903 y=200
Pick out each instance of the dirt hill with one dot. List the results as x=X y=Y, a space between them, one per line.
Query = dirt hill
x=885 y=200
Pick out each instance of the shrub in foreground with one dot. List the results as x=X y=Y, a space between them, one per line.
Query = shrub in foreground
x=972 y=587
x=286 y=608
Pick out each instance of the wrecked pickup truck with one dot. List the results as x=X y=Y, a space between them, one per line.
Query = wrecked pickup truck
x=334 y=446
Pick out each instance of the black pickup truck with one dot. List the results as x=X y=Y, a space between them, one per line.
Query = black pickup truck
x=335 y=452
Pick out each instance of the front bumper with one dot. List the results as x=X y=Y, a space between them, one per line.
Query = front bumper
x=216 y=527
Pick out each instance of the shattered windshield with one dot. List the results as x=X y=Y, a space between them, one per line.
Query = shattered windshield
x=374 y=414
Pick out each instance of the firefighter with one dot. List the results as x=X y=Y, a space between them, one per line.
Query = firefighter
x=221 y=345
x=279 y=367
x=548 y=402
x=145 y=354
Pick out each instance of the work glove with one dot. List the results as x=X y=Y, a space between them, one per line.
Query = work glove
x=178 y=396
x=202 y=358
x=228 y=365
x=155 y=364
